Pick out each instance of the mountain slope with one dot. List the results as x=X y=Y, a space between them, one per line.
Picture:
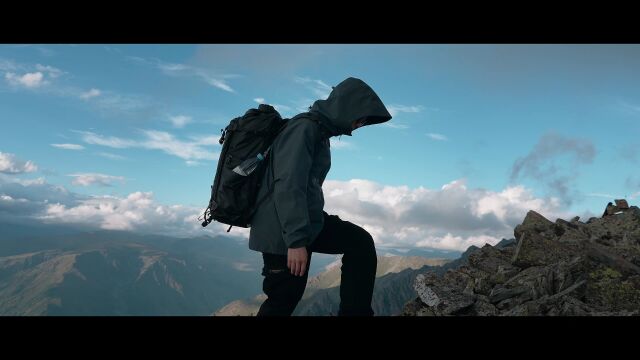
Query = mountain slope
x=391 y=291
x=119 y=273
x=58 y=270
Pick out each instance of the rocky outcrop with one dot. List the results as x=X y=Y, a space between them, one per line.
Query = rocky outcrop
x=553 y=268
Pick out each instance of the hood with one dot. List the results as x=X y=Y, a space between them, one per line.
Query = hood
x=351 y=100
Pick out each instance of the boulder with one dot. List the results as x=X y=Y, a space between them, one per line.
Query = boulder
x=442 y=297
x=534 y=249
x=534 y=223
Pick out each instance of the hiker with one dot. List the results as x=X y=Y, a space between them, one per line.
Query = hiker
x=290 y=224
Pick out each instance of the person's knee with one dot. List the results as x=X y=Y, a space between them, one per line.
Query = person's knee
x=367 y=240
x=365 y=247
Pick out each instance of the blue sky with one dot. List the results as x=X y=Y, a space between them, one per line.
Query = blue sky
x=559 y=120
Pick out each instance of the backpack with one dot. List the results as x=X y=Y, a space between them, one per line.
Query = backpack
x=246 y=142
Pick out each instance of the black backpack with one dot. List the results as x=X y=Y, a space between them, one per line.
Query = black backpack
x=246 y=143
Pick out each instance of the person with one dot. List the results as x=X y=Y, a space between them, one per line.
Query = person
x=290 y=223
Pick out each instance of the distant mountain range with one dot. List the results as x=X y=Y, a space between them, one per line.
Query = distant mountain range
x=426 y=253
x=119 y=273
x=65 y=270
x=62 y=270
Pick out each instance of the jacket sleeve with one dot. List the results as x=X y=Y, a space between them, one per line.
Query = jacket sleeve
x=292 y=162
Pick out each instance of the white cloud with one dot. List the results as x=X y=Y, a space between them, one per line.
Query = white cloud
x=9 y=199
x=608 y=196
x=50 y=70
x=198 y=148
x=139 y=60
x=319 y=88
x=27 y=75
x=28 y=80
x=68 y=146
x=88 y=179
x=7 y=65
x=107 y=101
x=206 y=140
x=112 y=101
x=220 y=84
x=171 y=69
x=340 y=144
x=109 y=141
x=36 y=77
x=303 y=105
x=25 y=199
x=109 y=212
x=453 y=217
x=166 y=142
x=35 y=200
x=394 y=125
x=438 y=137
x=111 y=156
x=5 y=179
x=395 y=109
x=283 y=110
x=180 y=121
x=137 y=212
x=449 y=241
x=90 y=94
x=167 y=67
x=9 y=164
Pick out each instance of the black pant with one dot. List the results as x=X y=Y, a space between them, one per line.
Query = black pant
x=359 y=262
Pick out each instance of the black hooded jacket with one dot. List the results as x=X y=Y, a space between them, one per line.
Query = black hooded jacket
x=292 y=214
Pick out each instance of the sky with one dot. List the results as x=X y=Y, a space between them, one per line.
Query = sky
x=124 y=137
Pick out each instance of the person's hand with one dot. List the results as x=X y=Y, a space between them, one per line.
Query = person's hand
x=297 y=260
